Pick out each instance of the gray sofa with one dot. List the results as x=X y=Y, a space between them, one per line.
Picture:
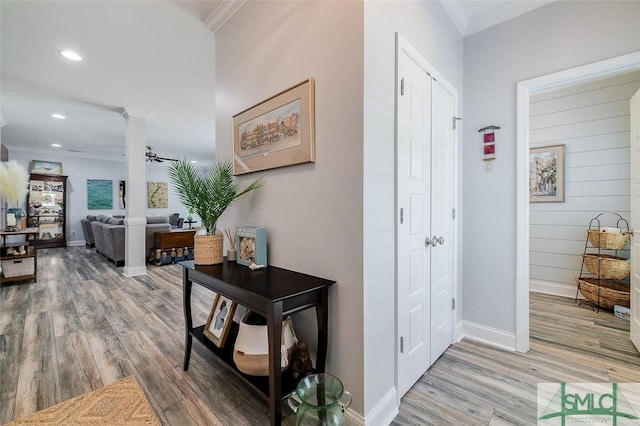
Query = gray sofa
x=109 y=235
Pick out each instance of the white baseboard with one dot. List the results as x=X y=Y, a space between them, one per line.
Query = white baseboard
x=76 y=243
x=556 y=289
x=489 y=335
x=352 y=418
x=385 y=410
x=459 y=331
x=135 y=271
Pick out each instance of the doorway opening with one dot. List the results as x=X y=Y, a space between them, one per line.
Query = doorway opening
x=526 y=89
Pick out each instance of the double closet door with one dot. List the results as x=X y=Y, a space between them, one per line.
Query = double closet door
x=424 y=227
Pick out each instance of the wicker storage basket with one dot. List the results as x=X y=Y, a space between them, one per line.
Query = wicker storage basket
x=251 y=349
x=612 y=267
x=608 y=240
x=604 y=293
x=17 y=267
x=207 y=249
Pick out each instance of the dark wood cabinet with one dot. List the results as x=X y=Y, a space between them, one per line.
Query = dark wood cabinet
x=47 y=209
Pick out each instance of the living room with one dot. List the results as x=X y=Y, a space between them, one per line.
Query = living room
x=336 y=217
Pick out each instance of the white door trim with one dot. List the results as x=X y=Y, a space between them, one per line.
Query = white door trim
x=582 y=74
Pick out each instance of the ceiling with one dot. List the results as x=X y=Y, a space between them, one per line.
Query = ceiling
x=154 y=59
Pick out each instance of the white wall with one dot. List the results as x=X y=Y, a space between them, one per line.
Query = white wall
x=592 y=121
x=79 y=170
x=428 y=28
x=312 y=212
x=557 y=36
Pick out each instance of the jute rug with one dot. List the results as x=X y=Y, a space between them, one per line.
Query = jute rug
x=122 y=403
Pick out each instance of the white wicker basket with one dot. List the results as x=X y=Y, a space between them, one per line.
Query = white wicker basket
x=17 y=267
x=251 y=349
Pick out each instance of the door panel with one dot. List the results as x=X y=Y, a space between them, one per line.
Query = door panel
x=442 y=221
x=635 y=219
x=413 y=197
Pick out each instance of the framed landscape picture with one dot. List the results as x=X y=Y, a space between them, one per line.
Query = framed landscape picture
x=277 y=132
x=45 y=167
x=99 y=194
x=546 y=174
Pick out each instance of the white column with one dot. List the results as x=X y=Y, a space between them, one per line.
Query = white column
x=136 y=220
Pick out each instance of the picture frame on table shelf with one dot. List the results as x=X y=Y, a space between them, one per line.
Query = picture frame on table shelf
x=220 y=319
x=45 y=167
x=277 y=132
x=546 y=174
x=251 y=245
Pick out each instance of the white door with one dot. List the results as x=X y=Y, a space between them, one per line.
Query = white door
x=441 y=221
x=413 y=224
x=635 y=219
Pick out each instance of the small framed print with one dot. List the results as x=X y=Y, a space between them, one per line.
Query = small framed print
x=546 y=174
x=220 y=319
x=251 y=245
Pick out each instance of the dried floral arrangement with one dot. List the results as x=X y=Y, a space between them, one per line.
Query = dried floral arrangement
x=14 y=183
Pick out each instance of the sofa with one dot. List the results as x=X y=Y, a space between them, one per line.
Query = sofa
x=109 y=235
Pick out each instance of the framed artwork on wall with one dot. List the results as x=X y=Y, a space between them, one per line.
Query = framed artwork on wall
x=45 y=167
x=157 y=193
x=99 y=194
x=277 y=132
x=546 y=174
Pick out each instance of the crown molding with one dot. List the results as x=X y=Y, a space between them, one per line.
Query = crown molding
x=223 y=13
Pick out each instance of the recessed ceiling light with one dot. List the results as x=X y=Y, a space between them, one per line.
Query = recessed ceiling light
x=71 y=55
x=56 y=145
x=58 y=116
x=193 y=161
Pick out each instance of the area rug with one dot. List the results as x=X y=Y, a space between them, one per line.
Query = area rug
x=122 y=403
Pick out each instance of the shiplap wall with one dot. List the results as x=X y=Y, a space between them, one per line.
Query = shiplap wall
x=592 y=121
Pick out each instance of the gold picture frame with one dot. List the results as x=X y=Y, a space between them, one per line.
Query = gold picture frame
x=277 y=132
x=220 y=319
x=546 y=174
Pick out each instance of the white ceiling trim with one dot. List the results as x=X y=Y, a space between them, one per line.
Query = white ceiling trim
x=457 y=14
x=506 y=11
x=223 y=13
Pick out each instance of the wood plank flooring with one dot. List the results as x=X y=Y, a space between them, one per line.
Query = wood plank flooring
x=474 y=384
x=84 y=325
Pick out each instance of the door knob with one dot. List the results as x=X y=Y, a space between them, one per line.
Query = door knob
x=427 y=242
x=440 y=240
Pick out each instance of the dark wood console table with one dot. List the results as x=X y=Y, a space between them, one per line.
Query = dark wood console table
x=272 y=292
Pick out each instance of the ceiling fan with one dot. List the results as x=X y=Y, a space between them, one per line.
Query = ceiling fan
x=152 y=156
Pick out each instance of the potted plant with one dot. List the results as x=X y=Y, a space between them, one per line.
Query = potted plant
x=14 y=186
x=208 y=194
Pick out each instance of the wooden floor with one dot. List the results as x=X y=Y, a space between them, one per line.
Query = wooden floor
x=83 y=325
x=474 y=384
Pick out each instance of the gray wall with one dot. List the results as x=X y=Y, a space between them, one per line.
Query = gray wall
x=592 y=121
x=312 y=212
x=555 y=37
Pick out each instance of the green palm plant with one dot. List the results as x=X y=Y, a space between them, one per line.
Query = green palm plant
x=208 y=194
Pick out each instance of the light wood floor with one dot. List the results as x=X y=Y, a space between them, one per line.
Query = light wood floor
x=474 y=384
x=83 y=325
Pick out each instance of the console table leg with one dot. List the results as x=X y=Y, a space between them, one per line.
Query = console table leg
x=274 y=329
x=322 y=317
x=188 y=322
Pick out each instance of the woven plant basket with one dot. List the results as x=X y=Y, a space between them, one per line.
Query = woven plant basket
x=608 y=240
x=207 y=249
x=612 y=267
x=604 y=293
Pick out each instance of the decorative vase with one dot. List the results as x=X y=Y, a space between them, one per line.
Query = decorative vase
x=207 y=249
x=231 y=255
